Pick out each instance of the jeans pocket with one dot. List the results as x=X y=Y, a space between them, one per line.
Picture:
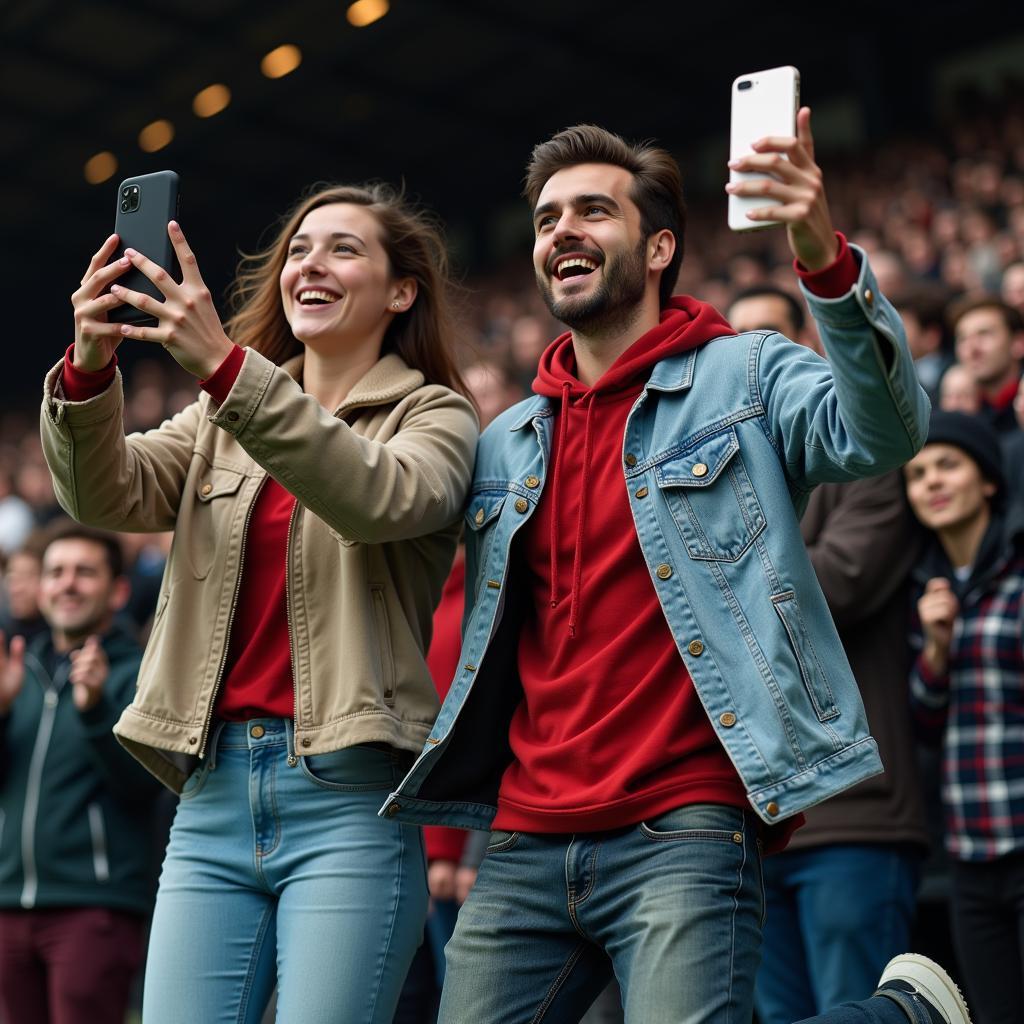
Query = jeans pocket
x=500 y=841
x=710 y=822
x=196 y=782
x=352 y=770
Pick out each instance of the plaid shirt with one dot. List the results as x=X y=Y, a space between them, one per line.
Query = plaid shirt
x=977 y=709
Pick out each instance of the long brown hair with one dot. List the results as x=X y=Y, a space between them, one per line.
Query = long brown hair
x=413 y=240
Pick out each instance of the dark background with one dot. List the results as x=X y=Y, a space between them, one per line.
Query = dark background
x=446 y=96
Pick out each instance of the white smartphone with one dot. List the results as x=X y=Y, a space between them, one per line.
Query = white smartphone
x=763 y=103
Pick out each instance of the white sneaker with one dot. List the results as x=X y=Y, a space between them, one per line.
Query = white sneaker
x=926 y=981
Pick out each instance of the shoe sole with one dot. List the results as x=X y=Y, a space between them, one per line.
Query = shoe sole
x=932 y=981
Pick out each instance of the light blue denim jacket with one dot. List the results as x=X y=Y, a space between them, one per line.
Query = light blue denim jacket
x=719 y=454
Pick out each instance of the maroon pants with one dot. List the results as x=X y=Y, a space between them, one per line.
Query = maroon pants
x=70 y=966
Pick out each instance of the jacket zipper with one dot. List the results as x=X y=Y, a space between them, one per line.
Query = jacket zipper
x=293 y=759
x=100 y=861
x=33 y=787
x=231 y=622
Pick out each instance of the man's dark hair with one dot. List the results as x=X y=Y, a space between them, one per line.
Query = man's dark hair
x=68 y=529
x=770 y=291
x=1011 y=317
x=657 y=183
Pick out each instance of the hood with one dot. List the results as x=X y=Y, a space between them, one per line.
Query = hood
x=686 y=323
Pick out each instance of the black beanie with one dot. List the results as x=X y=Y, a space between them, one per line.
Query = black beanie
x=972 y=435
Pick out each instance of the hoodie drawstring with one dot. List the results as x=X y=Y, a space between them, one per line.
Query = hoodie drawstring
x=562 y=433
x=577 y=558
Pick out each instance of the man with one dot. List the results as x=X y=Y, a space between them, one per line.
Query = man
x=76 y=845
x=921 y=310
x=989 y=338
x=19 y=615
x=840 y=899
x=967 y=688
x=649 y=678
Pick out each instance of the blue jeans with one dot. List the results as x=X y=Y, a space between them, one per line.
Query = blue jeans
x=283 y=873
x=836 y=915
x=673 y=906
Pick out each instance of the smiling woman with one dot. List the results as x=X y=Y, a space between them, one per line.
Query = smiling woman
x=315 y=491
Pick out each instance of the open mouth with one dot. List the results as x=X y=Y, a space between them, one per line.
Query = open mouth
x=566 y=267
x=316 y=297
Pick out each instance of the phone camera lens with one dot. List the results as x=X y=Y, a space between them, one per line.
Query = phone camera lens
x=124 y=192
x=124 y=205
x=745 y=85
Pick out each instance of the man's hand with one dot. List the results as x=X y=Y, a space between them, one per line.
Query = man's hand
x=795 y=193
x=465 y=879
x=937 y=608
x=441 y=879
x=12 y=670
x=89 y=669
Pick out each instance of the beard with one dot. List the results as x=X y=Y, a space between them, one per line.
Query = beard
x=614 y=305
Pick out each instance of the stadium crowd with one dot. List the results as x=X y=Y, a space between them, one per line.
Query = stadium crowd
x=942 y=220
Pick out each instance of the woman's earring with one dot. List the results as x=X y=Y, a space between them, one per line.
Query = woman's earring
x=396 y=304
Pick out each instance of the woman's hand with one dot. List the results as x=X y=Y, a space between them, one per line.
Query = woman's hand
x=937 y=609
x=95 y=338
x=187 y=322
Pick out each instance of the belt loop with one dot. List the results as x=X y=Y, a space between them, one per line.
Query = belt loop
x=289 y=731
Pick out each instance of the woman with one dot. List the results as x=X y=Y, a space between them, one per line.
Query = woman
x=967 y=693
x=314 y=491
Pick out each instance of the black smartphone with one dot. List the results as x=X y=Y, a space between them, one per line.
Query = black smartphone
x=144 y=206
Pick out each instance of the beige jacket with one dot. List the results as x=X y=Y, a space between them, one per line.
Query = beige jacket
x=380 y=488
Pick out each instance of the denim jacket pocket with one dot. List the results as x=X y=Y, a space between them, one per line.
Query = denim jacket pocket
x=711 y=498
x=812 y=672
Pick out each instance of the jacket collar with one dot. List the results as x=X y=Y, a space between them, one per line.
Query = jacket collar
x=388 y=380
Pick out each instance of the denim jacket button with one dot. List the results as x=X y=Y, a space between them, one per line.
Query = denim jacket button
x=772 y=809
x=869 y=297
x=630 y=459
x=642 y=493
x=696 y=648
x=728 y=719
x=532 y=482
x=522 y=504
x=663 y=571
x=700 y=469
x=479 y=517
x=393 y=809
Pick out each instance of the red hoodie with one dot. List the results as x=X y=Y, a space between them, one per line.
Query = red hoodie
x=610 y=730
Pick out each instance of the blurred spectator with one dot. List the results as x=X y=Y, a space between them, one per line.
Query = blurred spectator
x=75 y=848
x=1012 y=288
x=16 y=519
x=921 y=310
x=989 y=338
x=493 y=387
x=528 y=338
x=958 y=391
x=19 y=609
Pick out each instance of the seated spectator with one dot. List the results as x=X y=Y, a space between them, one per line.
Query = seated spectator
x=967 y=692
